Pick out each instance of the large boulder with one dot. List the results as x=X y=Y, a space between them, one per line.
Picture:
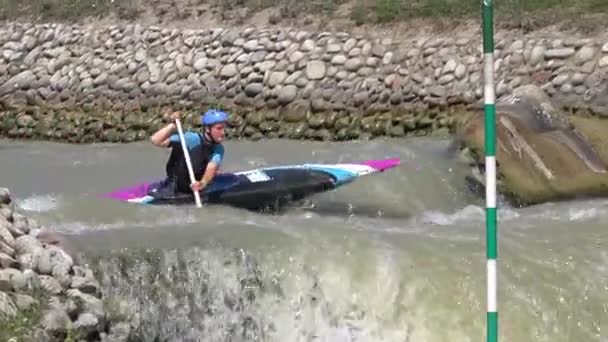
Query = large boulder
x=542 y=154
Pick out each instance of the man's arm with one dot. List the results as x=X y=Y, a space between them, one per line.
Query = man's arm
x=162 y=137
x=213 y=166
x=210 y=172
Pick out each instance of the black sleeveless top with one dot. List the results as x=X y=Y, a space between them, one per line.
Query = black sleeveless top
x=177 y=169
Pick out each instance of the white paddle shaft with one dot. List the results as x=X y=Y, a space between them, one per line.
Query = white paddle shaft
x=197 y=196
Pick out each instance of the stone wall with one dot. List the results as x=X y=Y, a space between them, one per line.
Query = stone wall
x=86 y=84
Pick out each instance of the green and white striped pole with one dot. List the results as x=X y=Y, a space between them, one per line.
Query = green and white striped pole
x=490 y=155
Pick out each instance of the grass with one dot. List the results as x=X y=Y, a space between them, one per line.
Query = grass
x=67 y=9
x=525 y=14
x=23 y=325
x=18 y=327
x=15 y=328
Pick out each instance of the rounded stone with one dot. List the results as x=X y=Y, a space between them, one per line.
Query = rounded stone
x=353 y=64
x=585 y=54
x=253 y=89
x=315 y=70
x=287 y=94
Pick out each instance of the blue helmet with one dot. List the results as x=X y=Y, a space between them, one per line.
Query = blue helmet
x=213 y=116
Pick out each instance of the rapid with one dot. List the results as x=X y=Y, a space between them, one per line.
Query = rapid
x=398 y=256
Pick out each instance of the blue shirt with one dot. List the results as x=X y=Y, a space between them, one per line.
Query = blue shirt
x=193 y=140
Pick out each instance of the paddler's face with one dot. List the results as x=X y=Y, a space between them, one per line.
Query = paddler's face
x=217 y=132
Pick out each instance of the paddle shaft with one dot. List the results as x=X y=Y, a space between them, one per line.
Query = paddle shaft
x=197 y=196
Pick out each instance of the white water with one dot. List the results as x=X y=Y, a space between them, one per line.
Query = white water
x=395 y=257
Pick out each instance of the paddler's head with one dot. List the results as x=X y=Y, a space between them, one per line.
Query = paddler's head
x=214 y=123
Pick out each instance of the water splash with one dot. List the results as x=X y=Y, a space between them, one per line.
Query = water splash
x=39 y=203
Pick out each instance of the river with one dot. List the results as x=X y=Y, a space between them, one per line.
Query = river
x=398 y=256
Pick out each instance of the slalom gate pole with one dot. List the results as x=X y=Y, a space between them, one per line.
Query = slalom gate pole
x=490 y=168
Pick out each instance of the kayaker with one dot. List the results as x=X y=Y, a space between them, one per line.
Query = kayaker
x=205 y=149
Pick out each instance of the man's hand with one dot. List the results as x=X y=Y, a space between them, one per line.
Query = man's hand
x=175 y=116
x=170 y=115
x=197 y=186
x=161 y=137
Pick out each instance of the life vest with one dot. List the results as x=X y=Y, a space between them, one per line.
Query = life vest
x=177 y=169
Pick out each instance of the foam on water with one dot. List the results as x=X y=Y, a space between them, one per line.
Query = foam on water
x=79 y=227
x=39 y=203
x=470 y=213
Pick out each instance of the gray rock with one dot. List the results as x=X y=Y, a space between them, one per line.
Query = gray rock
x=50 y=256
x=296 y=56
x=118 y=333
x=578 y=79
x=255 y=78
x=353 y=64
x=5 y=196
x=444 y=80
x=14 y=46
x=291 y=79
x=50 y=284
x=308 y=45
x=7 y=211
x=449 y=67
x=438 y=91
x=315 y=70
x=537 y=55
x=56 y=321
x=276 y=78
x=71 y=308
x=250 y=45
x=87 y=303
x=388 y=58
x=12 y=279
x=560 y=80
x=355 y=52
x=99 y=80
x=8 y=308
x=338 y=60
x=566 y=88
x=26 y=260
x=516 y=45
x=585 y=54
x=12 y=56
x=200 y=64
x=265 y=66
x=20 y=224
x=86 y=284
x=229 y=38
x=23 y=302
x=559 y=53
x=253 y=89
x=371 y=62
x=255 y=57
x=6 y=261
x=61 y=272
x=5 y=234
x=460 y=71
x=86 y=323
x=287 y=94
x=246 y=71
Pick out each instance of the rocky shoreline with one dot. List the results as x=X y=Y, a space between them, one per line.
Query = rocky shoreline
x=87 y=84
x=45 y=295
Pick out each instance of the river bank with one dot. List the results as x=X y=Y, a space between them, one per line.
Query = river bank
x=87 y=83
x=45 y=294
